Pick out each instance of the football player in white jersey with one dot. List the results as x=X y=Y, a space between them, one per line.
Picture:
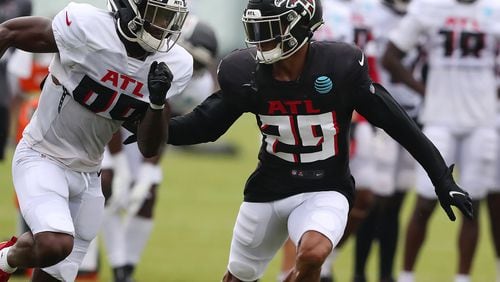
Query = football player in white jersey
x=111 y=69
x=129 y=181
x=395 y=168
x=494 y=193
x=459 y=106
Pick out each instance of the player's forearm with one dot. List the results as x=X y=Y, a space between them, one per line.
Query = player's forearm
x=152 y=132
x=32 y=34
x=391 y=61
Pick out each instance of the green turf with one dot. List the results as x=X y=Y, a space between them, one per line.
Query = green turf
x=198 y=203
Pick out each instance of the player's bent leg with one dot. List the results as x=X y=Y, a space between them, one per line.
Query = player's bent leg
x=40 y=250
x=67 y=269
x=316 y=226
x=259 y=232
x=87 y=207
x=43 y=189
x=313 y=249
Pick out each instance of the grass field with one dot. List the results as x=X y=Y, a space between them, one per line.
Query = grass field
x=198 y=203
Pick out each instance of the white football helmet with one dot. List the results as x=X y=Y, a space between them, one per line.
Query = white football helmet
x=154 y=24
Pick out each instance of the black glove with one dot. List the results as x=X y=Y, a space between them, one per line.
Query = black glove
x=449 y=194
x=159 y=80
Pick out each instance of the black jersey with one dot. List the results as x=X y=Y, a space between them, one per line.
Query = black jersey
x=304 y=123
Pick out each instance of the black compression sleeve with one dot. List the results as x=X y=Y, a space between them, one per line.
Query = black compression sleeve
x=206 y=123
x=380 y=109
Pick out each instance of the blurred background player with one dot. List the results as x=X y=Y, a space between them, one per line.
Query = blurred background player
x=394 y=165
x=130 y=182
x=493 y=198
x=9 y=9
x=459 y=108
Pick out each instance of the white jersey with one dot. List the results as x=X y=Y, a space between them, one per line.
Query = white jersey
x=338 y=26
x=384 y=20
x=364 y=19
x=461 y=40
x=105 y=87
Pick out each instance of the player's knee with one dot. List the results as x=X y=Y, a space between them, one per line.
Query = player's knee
x=51 y=248
x=312 y=258
x=240 y=271
x=313 y=255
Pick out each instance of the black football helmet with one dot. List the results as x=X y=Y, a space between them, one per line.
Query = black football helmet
x=154 y=24
x=289 y=23
x=199 y=39
x=399 y=6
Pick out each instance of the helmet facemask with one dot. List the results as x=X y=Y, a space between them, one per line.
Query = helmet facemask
x=154 y=24
x=283 y=29
x=159 y=26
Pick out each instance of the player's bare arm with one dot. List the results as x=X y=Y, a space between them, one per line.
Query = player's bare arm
x=31 y=34
x=392 y=62
x=153 y=128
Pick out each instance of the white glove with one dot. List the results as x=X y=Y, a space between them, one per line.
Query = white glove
x=149 y=174
x=121 y=182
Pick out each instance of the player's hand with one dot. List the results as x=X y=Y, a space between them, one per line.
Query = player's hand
x=121 y=183
x=450 y=194
x=159 y=80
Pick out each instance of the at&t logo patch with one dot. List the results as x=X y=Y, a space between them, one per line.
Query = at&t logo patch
x=323 y=85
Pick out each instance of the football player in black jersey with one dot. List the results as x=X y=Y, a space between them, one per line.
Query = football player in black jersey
x=303 y=95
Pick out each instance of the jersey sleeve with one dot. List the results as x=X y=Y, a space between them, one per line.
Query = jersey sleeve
x=206 y=123
x=407 y=34
x=69 y=35
x=182 y=69
x=67 y=27
x=379 y=108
